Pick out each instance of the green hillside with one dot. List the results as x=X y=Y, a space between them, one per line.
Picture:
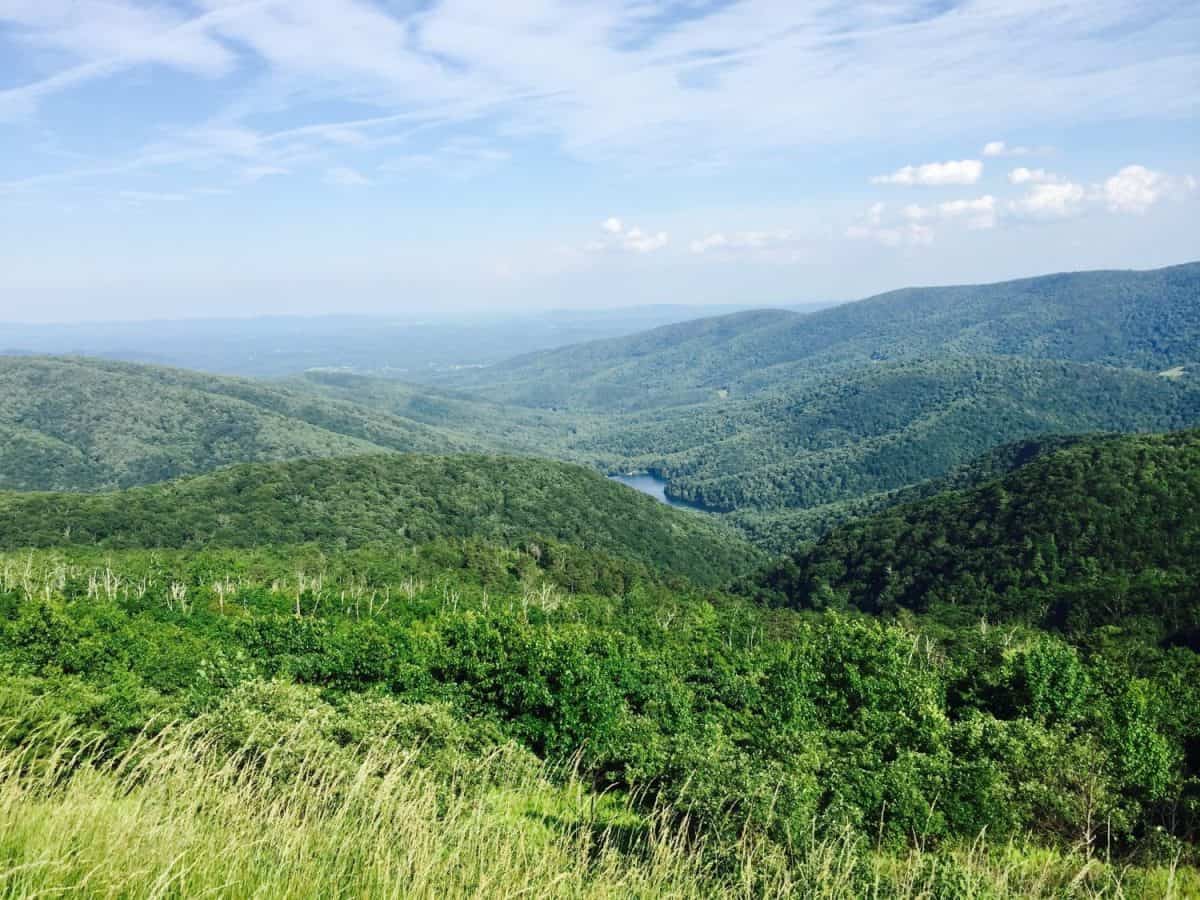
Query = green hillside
x=81 y=424
x=1101 y=533
x=884 y=427
x=1145 y=320
x=398 y=498
x=781 y=531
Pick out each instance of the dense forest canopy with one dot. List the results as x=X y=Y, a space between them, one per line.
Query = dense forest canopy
x=1103 y=532
x=350 y=502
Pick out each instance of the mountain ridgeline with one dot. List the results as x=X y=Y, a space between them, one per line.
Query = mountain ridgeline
x=1144 y=320
x=85 y=424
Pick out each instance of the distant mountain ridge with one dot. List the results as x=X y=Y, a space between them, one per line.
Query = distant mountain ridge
x=85 y=424
x=1146 y=320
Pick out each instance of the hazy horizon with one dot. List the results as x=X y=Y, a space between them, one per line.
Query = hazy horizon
x=428 y=316
x=218 y=158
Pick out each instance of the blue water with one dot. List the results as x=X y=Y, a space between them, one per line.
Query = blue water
x=652 y=485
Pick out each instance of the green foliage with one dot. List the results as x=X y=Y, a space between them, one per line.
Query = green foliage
x=359 y=500
x=739 y=719
x=1105 y=532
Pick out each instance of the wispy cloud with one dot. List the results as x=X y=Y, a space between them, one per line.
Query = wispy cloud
x=938 y=174
x=1001 y=148
x=1022 y=175
x=344 y=176
x=631 y=238
x=650 y=80
x=782 y=246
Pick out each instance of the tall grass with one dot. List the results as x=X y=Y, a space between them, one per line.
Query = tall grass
x=177 y=816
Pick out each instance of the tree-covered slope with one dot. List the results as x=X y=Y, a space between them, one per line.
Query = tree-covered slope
x=1146 y=320
x=402 y=498
x=782 y=531
x=79 y=424
x=1097 y=533
x=885 y=426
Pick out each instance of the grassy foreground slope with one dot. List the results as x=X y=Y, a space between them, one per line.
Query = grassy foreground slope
x=1145 y=320
x=453 y=720
x=1099 y=533
x=389 y=823
x=404 y=498
x=81 y=424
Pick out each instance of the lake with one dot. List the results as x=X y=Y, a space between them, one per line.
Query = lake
x=652 y=485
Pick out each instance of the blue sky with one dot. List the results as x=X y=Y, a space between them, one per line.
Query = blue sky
x=217 y=157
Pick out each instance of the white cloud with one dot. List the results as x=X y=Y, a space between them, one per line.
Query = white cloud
x=344 y=176
x=632 y=239
x=716 y=241
x=639 y=241
x=963 y=171
x=1022 y=175
x=1135 y=189
x=1000 y=148
x=978 y=213
x=780 y=245
x=872 y=228
x=1059 y=200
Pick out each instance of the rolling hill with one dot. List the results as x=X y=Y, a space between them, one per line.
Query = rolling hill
x=1145 y=320
x=83 y=424
x=885 y=426
x=1102 y=532
x=400 y=498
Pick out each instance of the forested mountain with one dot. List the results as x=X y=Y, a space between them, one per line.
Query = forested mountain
x=1145 y=320
x=1102 y=532
x=405 y=498
x=474 y=419
x=782 y=531
x=884 y=426
x=84 y=424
